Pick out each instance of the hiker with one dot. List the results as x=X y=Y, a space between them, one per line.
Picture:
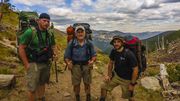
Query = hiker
x=1 y=15
x=79 y=57
x=125 y=70
x=35 y=50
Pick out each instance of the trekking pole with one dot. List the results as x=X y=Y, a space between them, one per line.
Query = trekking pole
x=56 y=71
x=65 y=67
x=132 y=93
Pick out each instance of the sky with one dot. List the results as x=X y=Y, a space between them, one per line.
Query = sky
x=123 y=15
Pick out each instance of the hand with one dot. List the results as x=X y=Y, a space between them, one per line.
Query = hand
x=107 y=78
x=131 y=87
x=27 y=66
x=90 y=62
x=69 y=65
x=55 y=58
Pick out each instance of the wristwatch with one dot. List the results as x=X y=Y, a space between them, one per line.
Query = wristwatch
x=133 y=84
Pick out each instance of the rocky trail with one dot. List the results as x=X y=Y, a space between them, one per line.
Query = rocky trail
x=62 y=90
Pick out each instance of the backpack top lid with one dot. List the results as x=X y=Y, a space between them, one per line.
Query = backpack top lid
x=70 y=30
x=25 y=15
x=129 y=39
x=85 y=25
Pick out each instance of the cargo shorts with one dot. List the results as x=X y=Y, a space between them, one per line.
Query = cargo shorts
x=116 y=81
x=81 y=72
x=37 y=74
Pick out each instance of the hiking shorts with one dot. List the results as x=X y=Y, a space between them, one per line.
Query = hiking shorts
x=81 y=72
x=37 y=74
x=116 y=81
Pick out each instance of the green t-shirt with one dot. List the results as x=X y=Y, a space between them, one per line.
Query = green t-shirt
x=30 y=38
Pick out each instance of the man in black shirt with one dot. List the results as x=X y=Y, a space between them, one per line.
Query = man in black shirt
x=124 y=73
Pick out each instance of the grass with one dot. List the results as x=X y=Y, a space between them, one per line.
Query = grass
x=168 y=36
x=174 y=72
x=142 y=94
x=5 y=52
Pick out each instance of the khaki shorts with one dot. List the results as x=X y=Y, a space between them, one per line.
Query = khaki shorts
x=37 y=74
x=116 y=81
x=78 y=73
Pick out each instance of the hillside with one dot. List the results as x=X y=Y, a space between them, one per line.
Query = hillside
x=154 y=42
x=62 y=91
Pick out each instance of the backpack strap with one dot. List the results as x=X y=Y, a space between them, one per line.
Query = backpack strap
x=32 y=37
x=71 y=47
x=88 y=49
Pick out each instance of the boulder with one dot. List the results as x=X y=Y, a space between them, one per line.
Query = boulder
x=150 y=83
x=7 y=81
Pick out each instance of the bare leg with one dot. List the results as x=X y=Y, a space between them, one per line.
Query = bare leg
x=31 y=96
x=40 y=91
x=87 y=88
x=103 y=94
x=77 y=91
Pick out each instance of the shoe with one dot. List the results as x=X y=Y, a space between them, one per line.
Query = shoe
x=102 y=99
x=88 y=97
x=78 y=98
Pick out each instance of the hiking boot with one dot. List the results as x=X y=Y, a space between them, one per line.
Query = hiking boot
x=78 y=98
x=43 y=99
x=88 y=97
x=102 y=99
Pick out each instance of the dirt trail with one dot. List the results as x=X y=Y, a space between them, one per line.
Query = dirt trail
x=63 y=90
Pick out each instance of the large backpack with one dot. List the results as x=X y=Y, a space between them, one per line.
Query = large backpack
x=71 y=31
x=135 y=45
x=71 y=36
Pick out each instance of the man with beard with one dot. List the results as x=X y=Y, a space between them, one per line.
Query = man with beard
x=124 y=73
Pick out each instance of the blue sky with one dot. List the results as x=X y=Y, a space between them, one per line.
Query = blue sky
x=122 y=15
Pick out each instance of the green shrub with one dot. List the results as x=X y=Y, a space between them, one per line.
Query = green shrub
x=5 y=71
x=174 y=72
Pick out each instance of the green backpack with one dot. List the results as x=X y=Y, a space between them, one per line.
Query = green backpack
x=26 y=20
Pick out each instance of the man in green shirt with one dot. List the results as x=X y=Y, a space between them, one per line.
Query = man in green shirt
x=36 y=48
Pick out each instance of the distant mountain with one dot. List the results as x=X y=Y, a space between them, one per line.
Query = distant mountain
x=101 y=38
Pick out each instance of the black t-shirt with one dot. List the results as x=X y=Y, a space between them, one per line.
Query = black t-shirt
x=125 y=61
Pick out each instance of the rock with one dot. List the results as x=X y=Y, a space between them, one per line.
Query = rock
x=66 y=94
x=150 y=83
x=7 y=81
x=176 y=85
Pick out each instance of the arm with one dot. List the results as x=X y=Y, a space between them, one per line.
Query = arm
x=23 y=56
x=67 y=57
x=93 y=54
x=109 y=73
x=110 y=67
x=134 y=75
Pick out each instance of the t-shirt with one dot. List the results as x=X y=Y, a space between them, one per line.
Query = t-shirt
x=125 y=61
x=30 y=38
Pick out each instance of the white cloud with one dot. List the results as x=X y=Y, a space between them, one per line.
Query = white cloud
x=60 y=11
x=39 y=2
x=123 y=15
x=87 y=2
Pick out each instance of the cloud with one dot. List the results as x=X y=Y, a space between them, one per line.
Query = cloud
x=60 y=11
x=123 y=15
x=45 y=3
x=170 y=1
